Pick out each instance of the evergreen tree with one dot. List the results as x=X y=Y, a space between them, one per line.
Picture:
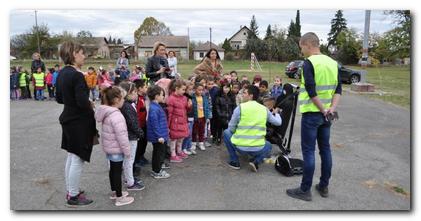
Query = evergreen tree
x=338 y=24
x=297 y=25
x=269 y=34
x=253 y=33
x=226 y=45
x=291 y=29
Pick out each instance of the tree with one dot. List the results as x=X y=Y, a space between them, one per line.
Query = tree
x=269 y=33
x=226 y=45
x=290 y=49
x=119 y=41
x=399 y=38
x=338 y=24
x=110 y=40
x=291 y=29
x=297 y=30
x=253 y=33
x=150 y=26
x=84 y=34
x=349 y=47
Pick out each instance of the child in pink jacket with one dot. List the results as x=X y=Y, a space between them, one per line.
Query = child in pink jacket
x=114 y=139
x=177 y=105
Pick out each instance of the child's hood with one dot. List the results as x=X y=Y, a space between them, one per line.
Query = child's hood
x=104 y=111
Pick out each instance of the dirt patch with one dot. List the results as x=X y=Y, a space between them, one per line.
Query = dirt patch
x=395 y=188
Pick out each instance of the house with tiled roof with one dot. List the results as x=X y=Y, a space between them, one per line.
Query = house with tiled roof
x=200 y=51
x=178 y=44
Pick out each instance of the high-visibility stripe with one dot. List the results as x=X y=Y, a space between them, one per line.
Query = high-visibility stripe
x=309 y=101
x=252 y=128
x=321 y=88
x=251 y=137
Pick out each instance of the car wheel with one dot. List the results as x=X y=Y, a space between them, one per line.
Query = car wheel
x=354 y=79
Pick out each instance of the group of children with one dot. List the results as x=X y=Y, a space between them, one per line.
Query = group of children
x=21 y=79
x=132 y=114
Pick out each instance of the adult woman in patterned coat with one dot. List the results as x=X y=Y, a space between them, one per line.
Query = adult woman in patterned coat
x=210 y=66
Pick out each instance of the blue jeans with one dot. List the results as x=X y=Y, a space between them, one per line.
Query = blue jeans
x=187 y=141
x=258 y=155
x=40 y=94
x=94 y=93
x=314 y=127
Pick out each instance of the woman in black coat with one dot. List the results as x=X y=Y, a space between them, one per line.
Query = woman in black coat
x=157 y=66
x=77 y=119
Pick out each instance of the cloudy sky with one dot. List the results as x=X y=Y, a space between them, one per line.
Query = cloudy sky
x=224 y=23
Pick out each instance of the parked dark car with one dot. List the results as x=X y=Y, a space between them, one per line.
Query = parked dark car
x=294 y=69
x=348 y=75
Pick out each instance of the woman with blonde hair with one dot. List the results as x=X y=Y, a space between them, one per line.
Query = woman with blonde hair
x=157 y=65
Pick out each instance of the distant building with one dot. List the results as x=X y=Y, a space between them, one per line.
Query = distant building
x=178 y=44
x=238 y=40
x=95 y=47
x=200 y=51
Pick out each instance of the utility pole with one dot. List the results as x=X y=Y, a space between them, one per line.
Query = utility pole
x=210 y=36
x=36 y=26
x=364 y=59
x=188 y=43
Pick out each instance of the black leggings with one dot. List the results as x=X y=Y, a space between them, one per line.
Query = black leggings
x=115 y=177
x=141 y=146
x=221 y=125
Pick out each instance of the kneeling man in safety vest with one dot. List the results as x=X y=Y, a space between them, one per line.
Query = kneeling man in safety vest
x=247 y=129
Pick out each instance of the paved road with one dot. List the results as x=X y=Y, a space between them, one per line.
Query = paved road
x=371 y=153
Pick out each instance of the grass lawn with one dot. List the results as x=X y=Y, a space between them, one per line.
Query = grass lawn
x=393 y=81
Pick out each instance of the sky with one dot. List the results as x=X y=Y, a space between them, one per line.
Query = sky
x=224 y=23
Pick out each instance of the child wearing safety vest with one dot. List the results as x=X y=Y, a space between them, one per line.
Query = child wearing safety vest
x=39 y=84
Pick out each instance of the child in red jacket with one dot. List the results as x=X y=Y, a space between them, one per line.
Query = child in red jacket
x=177 y=105
x=140 y=159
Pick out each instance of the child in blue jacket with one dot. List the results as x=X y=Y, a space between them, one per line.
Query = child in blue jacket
x=157 y=132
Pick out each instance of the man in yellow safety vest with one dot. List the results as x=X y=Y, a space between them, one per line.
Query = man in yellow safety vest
x=320 y=93
x=247 y=129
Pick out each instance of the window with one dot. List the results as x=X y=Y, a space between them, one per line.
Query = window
x=201 y=54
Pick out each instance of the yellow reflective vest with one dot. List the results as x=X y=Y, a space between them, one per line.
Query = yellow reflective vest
x=326 y=79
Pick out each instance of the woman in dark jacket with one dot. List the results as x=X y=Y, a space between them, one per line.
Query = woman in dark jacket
x=225 y=105
x=157 y=66
x=77 y=119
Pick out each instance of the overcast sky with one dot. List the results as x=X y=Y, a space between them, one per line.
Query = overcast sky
x=224 y=23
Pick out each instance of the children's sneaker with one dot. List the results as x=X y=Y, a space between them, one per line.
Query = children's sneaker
x=136 y=186
x=124 y=200
x=193 y=152
x=183 y=155
x=207 y=144
x=253 y=166
x=187 y=152
x=81 y=195
x=234 y=165
x=161 y=175
x=202 y=146
x=113 y=195
x=175 y=159
x=193 y=146
x=77 y=201
x=165 y=166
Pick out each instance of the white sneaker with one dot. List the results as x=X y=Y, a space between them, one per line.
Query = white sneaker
x=187 y=152
x=207 y=144
x=124 y=200
x=193 y=152
x=202 y=146
x=161 y=175
x=193 y=146
x=113 y=195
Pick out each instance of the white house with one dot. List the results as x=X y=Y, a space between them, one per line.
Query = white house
x=178 y=44
x=200 y=51
x=238 y=40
